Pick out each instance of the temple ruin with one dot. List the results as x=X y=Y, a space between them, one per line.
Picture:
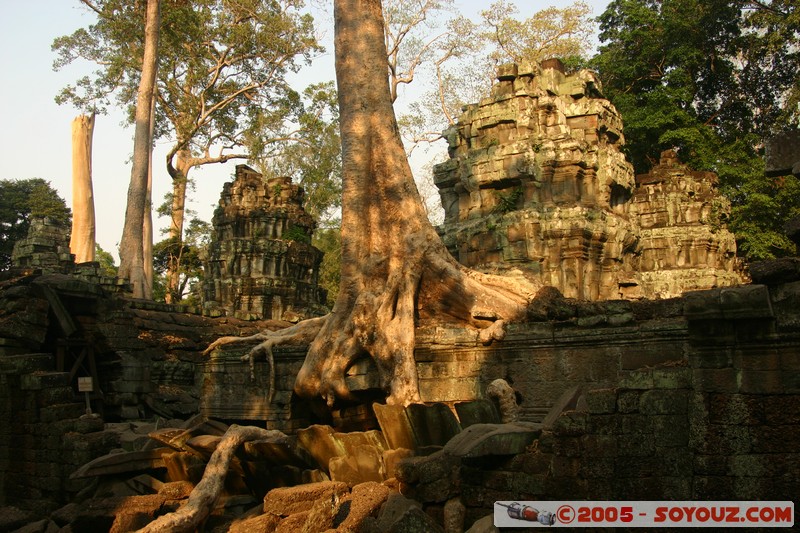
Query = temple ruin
x=613 y=388
x=261 y=263
x=537 y=182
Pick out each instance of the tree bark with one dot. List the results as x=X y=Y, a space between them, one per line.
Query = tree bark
x=179 y=173
x=131 y=244
x=147 y=226
x=82 y=239
x=395 y=269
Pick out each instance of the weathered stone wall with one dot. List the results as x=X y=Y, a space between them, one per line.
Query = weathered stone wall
x=261 y=264
x=43 y=438
x=56 y=328
x=537 y=181
x=685 y=398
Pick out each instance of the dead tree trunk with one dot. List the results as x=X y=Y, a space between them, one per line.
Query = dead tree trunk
x=395 y=268
x=131 y=251
x=82 y=238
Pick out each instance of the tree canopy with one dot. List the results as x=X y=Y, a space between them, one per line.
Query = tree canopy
x=711 y=79
x=20 y=201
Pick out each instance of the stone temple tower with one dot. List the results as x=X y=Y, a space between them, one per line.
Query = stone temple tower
x=261 y=264
x=537 y=182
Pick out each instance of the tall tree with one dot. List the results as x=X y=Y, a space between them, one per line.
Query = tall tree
x=20 y=201
x=224 y=91
x=459 y=57
x=131 y=247
x=222 y=88
x=82 y=238
x=395 y=269
x=316 y=162
x=709 y=78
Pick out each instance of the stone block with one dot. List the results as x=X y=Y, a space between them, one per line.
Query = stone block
x=635 y=445
x=596 y=446
x=628 y=401
x=27 y=363
x=400 y=515
x=746 y=301
x=319 y=442
x=636 y=379
x=432 y=424
x=44 y=380
x=58 y=412
x=663 y=402
x=761 y=381
x=391 y=459
x=670 y=430
x=395 y=425
x=601 y=401
x=364 y=463
x=365 y=501
x=672 y=377
x=481 y=440
x=285 y=501
x=715 y=380
x=479 y=411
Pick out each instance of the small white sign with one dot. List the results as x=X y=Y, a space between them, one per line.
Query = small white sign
x=85 y=385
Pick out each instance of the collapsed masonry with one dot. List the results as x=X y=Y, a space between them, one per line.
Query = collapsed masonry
x=261 y=263
x=537 y=181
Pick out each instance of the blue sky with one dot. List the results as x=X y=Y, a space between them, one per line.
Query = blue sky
x=35 y=133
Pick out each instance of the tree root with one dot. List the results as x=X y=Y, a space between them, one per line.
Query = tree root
x=301 y=333
x=204 y=496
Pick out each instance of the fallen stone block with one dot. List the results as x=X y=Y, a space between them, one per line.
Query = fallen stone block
x=364 y=463
x=395 y=426
x=480 y=440
x=432 y=424
x=122 y=463
x=365 y=501
x=484 y=525
x=264 y=522
x=481 y=411
x=287 y=501
x=402 y=515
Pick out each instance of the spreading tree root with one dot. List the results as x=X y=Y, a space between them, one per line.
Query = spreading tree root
x=382 y=311
x=377 y=313
x=204 y=496
x=301 y=333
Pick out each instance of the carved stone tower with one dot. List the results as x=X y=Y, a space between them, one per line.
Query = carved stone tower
x=261 y=263
x=537 y=182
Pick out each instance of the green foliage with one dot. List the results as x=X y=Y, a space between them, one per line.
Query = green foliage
x=329 y=240
x=106 y=261
x=315 y=162
x=20 y=201
x=187 y=254
x=296 y=234
x=706 y=77
x=508 y=202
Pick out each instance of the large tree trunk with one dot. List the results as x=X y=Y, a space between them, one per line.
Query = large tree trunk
x=131 y=244
x=82 y=239
x=147 y=226
x=395 y=269
x=179 y=173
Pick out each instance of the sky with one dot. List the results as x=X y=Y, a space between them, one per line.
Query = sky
x=35 y=136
